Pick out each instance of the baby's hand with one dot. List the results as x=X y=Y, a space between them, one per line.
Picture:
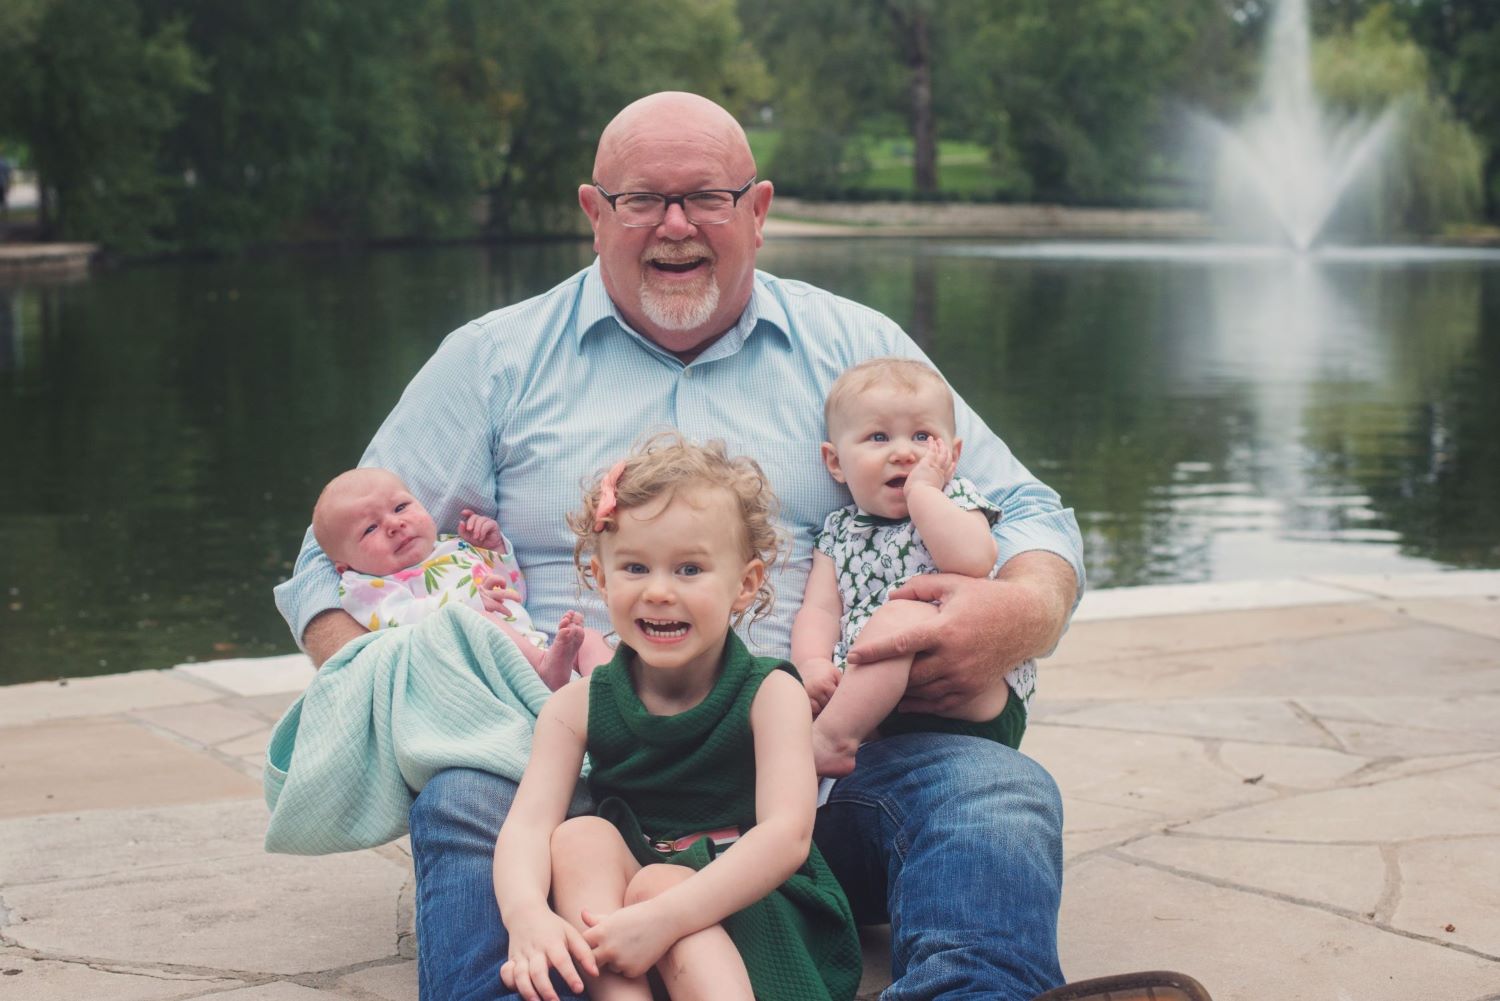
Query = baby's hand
x=935 y=468
x=820 y=678
x=495 y=591
x=477 y=530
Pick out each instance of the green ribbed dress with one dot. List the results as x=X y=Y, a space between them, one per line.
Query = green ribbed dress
x=671 y=776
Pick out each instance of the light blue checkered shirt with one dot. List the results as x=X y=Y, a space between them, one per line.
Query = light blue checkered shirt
x=518 y=408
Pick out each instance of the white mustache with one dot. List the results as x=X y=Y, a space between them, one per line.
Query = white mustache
x=677 y=253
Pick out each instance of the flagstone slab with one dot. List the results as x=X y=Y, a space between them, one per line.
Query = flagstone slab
x=1472 y=615
x=1170 y=777
x=49 y=980
x=207 y=724
x=1220 y=596
x=1475 y=714
x=1380 y=739
x=1383 y=771
x=235 y=915
x=1349 y=877
x=253 y=675
x=251 y=745
x=39 y=701
x=396 y=982
x=1164 y=636
x=101 y=764
x=1254 y=720
x=281 y=990
x=1441 y=584
x=35 y=850
x=1458 y=802
x=1245 y=946
x=1276 y=765
x=1452 y=883
x=1412 y=659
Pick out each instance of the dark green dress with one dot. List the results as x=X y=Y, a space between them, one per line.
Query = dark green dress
x=671 y=776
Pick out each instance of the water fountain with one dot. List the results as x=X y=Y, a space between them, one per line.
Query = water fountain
x=1290 y=155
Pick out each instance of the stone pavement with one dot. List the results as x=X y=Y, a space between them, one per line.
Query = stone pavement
x=1290 y=790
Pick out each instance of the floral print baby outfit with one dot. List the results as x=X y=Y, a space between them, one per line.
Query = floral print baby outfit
x=451 y=573
x=873 y=555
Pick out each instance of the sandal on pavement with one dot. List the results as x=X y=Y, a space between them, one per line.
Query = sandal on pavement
x=1154 y=985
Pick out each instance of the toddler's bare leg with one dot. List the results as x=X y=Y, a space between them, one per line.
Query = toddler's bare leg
x=867 y=693
x=703 y=966
x=561 y=656
x=591 y=868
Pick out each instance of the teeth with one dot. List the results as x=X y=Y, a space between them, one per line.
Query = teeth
x=666 y=628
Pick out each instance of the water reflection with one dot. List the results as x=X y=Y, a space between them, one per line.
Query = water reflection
x=1209 y=416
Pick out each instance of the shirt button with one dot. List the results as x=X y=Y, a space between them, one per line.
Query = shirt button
x=687 y=372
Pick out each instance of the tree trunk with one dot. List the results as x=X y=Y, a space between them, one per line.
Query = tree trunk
x=913 y=41
x=923 y=127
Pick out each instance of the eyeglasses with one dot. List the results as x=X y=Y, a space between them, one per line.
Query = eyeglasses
x=709 y=207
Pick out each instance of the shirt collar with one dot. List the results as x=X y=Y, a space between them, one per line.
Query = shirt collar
x=598 y=313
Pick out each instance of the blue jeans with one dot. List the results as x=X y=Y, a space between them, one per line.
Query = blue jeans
x=957 y=841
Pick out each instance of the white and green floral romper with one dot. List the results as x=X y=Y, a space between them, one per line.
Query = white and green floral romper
x=873 y=555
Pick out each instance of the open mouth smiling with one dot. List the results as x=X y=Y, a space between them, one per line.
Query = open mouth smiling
x=662 y=629
x=680 y=267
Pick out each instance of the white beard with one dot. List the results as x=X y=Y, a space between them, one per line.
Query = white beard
x=682 y=309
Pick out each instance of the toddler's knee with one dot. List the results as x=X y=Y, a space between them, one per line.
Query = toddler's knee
x=654 y=880
x=582 y=837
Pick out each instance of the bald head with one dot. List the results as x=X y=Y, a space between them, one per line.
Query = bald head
x=660 y=123
x=366 y=520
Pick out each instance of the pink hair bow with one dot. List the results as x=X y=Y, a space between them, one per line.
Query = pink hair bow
x=607 y=498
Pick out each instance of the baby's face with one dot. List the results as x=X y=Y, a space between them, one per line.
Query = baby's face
x=375 y=526
x=877 y=437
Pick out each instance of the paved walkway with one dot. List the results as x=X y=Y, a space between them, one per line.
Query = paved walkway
x=1290 y=790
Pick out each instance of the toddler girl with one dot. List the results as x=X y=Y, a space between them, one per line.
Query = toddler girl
x=889 y=424
x=396 y=569
x=699 y=864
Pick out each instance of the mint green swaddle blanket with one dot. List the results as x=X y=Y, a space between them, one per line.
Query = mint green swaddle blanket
x=385 y=714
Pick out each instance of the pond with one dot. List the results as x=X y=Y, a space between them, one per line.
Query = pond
x=1210 y=414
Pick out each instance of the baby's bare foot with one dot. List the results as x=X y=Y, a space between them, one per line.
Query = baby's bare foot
x=833 y=757
x=561 y=658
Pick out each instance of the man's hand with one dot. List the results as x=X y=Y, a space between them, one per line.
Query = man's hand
x=934 y=469
x=631 y=940
x=983 y=629
x=477 y=530
x=820 y=678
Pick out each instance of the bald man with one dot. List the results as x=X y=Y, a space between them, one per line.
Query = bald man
x=954 y=840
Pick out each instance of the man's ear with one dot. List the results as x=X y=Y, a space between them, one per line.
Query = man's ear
x=760 y=205
x=588 y=200
x=755 y=575
x=831 y=460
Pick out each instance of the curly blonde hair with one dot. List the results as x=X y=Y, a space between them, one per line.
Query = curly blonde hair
x=662 y=465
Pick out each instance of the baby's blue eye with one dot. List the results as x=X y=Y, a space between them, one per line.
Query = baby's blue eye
x=880 y=436
x=402 y=506
x=922 y=436
x=635 y=568
x=368 y=530
x=690 y=570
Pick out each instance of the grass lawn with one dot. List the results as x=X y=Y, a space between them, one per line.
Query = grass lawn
x=963 y=167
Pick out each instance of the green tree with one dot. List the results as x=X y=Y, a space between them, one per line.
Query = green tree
x=93 y=89
x=1430 y=174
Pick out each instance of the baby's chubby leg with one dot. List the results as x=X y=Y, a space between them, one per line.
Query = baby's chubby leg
x=867 y=692
x=574 y=648
x=533 y=653
x=591 y=869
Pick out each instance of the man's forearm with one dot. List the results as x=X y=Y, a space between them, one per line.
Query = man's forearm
x=327 y=633
x=1052 y=584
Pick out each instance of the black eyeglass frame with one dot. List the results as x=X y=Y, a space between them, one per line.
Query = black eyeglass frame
x=667 y=201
